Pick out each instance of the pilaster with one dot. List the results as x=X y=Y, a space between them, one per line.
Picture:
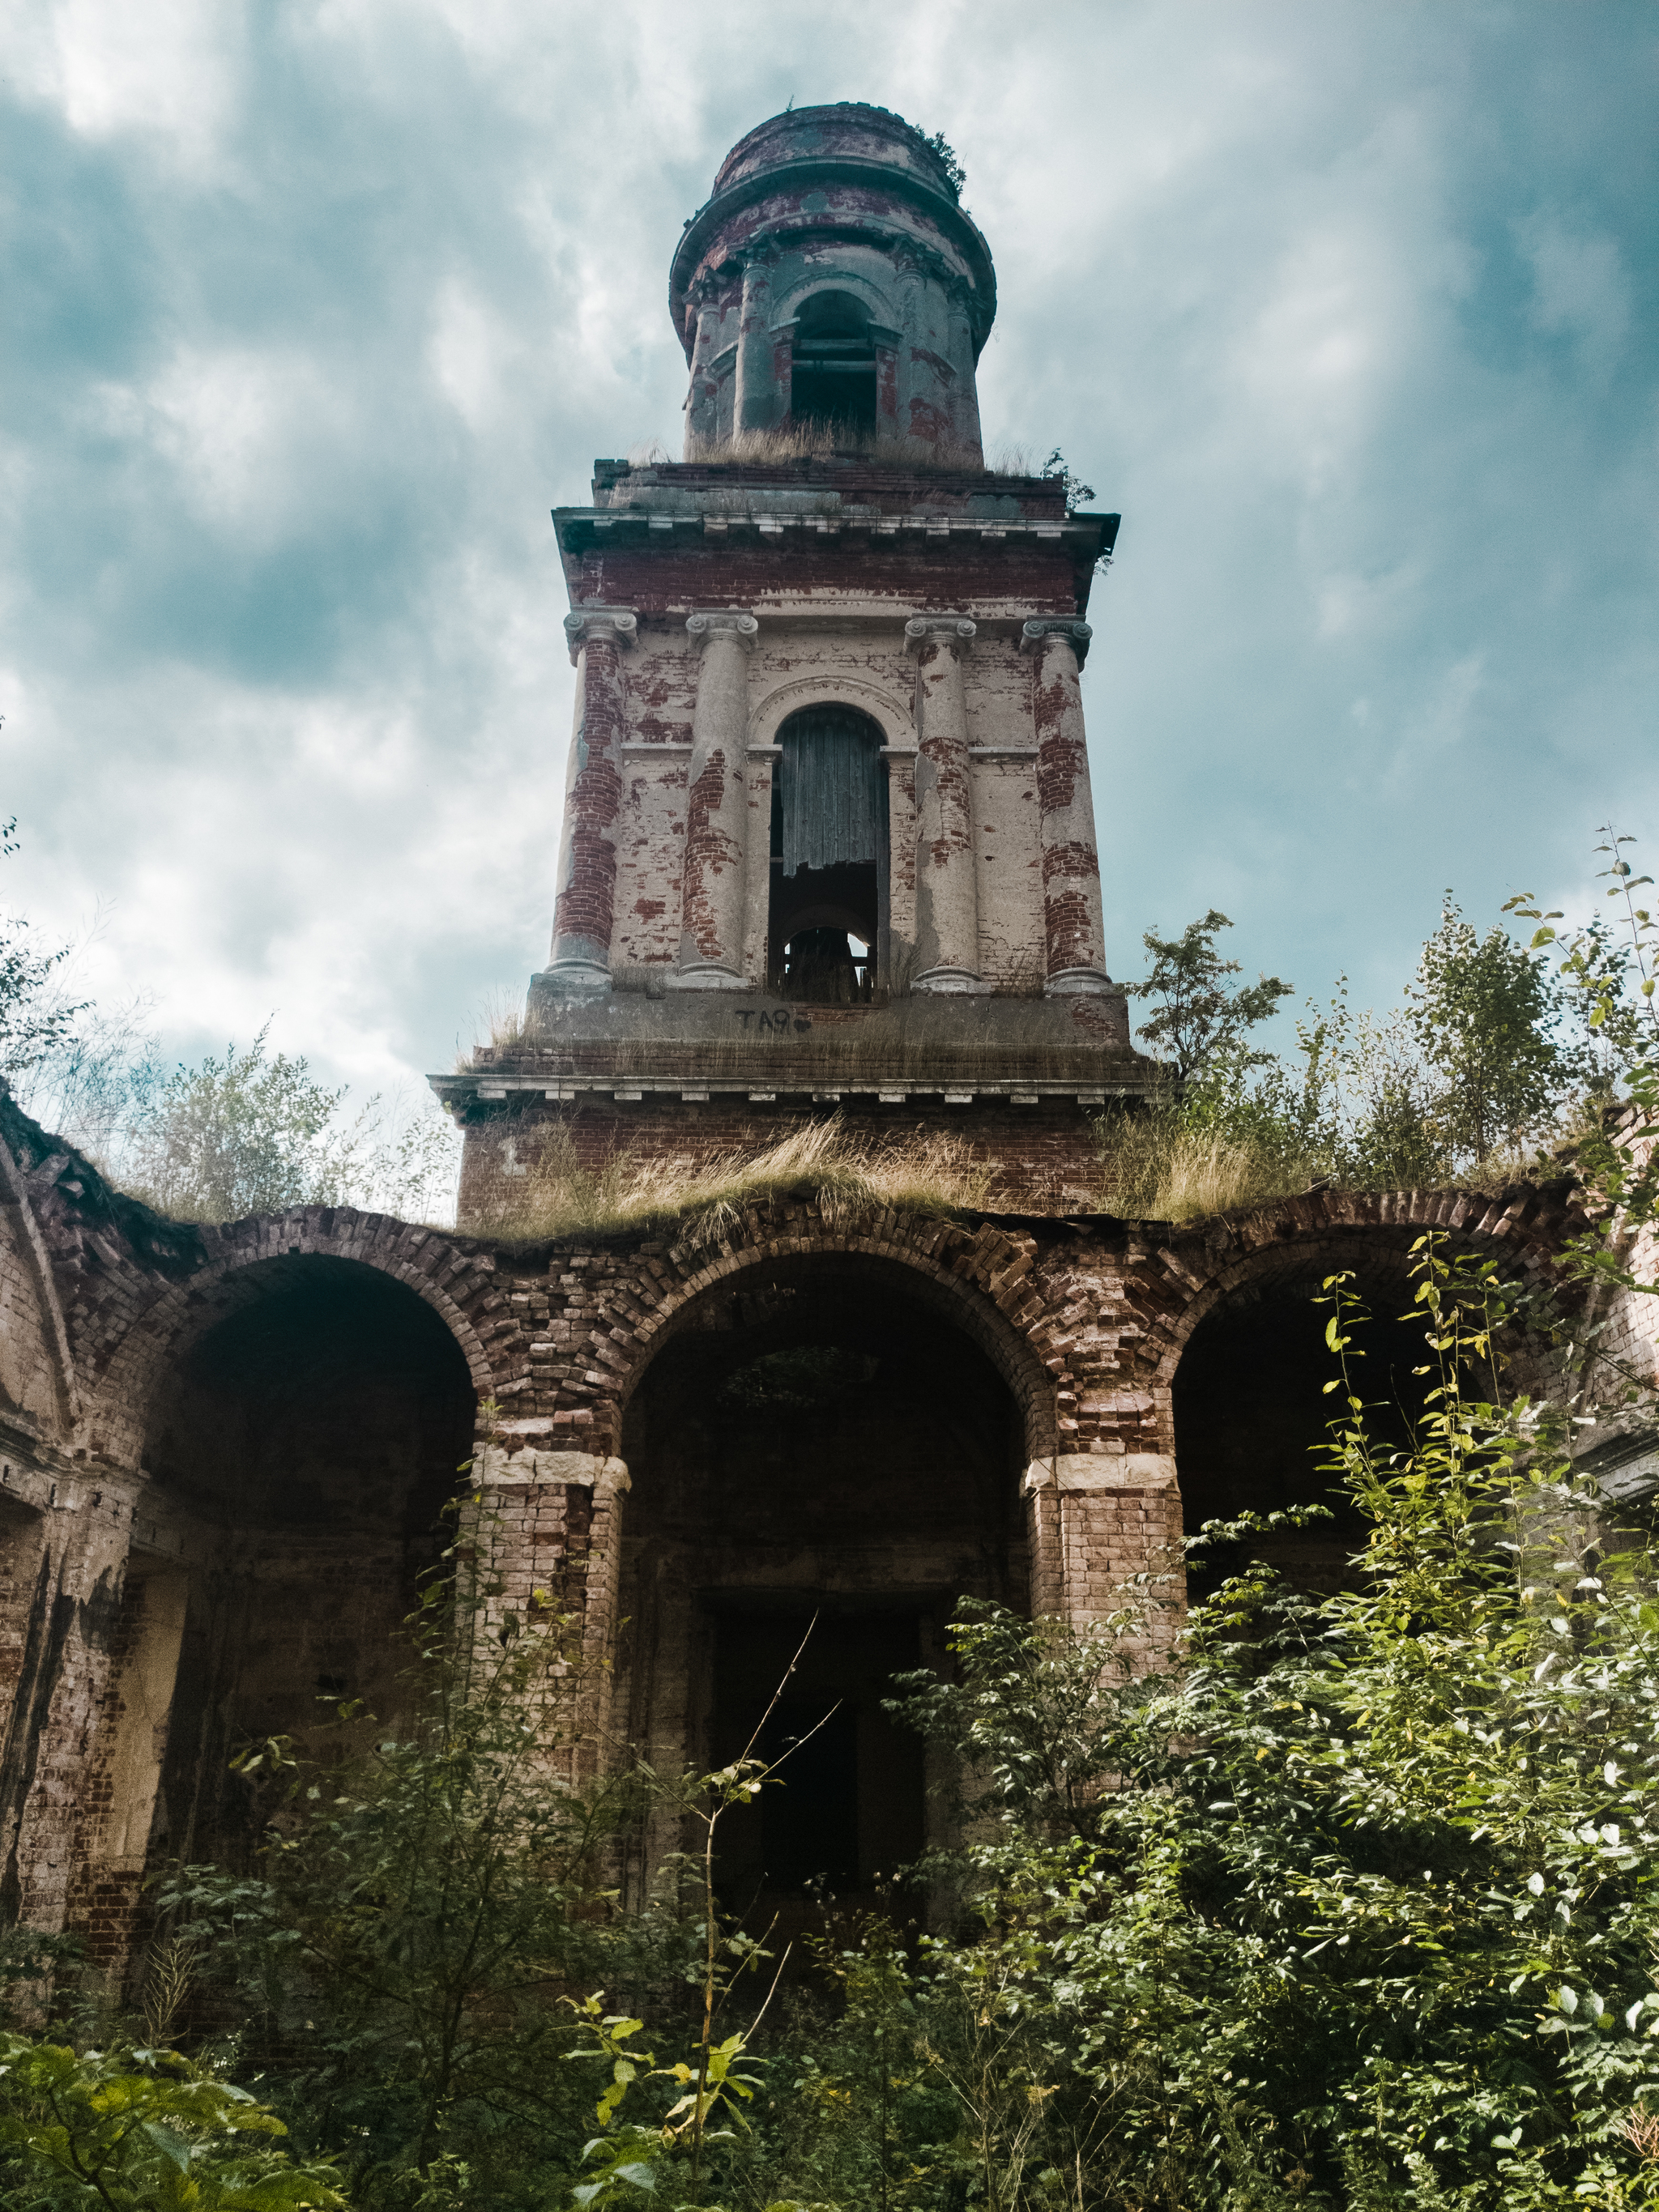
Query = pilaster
x=1073 y=932
x=1104 y=1533
x=757 y=407
x=947 y=901
x=585 y=909
x=713 y=877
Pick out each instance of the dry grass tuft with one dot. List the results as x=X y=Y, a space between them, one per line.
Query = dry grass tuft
x=703 y=1199
x=499 y=1022
x=1152 y=1169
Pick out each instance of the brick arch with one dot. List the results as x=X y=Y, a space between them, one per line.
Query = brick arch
x=829 y=278
x=975 y=1280
x=1187 y=1278
x=888 y=708
x=245 y=1260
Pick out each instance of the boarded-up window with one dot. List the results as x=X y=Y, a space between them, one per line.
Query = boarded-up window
x=832 y=788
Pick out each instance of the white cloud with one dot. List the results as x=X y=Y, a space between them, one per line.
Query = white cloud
x=1580 y=289
x=167 y=71
x=291 y=692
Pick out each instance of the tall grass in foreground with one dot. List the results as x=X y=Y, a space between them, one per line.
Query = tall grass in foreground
x=704 y=1199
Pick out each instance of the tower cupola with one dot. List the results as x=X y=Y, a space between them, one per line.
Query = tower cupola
x=832 y=286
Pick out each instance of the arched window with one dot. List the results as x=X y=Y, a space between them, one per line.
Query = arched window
x=829 y=903
x=834 y=375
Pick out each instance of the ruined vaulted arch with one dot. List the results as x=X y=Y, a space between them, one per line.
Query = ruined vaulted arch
x=734 y=1273
x=1318 y=1233
x=264 y=1256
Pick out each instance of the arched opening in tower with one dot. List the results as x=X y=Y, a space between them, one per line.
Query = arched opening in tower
x=824 y=1442
x=1251 y=1415
x=303 y=1449
x=828 y=925
x=833 y=367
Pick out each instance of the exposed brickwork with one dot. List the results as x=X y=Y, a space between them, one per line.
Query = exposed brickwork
x=1083 y=1321
x=1043 y=1155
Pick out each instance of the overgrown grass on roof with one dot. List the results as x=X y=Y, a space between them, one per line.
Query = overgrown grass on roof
x=1154 y=1168
x=704 y=1199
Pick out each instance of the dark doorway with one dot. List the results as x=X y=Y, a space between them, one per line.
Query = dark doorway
x=848 y=1806
x=820 y=1438
x=833 y=378
x=1251 y=1416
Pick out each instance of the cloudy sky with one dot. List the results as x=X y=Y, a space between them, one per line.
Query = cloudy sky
x=312 y=311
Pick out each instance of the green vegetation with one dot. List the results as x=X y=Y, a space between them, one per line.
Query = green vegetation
x=1342 y=1901
x=1495 y=1067
x=143 y=2130
x=253 y=1134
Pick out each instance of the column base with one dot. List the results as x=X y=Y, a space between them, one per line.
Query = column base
x=962 y=980
x=575 y=979
x=708 y=979
x=1069 y=982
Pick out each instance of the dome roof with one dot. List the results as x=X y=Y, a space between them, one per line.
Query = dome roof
x=847 y=170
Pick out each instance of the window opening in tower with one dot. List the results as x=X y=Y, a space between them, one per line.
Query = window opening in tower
x=833 y=378
x=828 y=856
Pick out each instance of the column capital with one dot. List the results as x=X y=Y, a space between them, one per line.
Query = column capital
x=1036 y=633
x=617 y=626
x=953 y=630
x=727 y=623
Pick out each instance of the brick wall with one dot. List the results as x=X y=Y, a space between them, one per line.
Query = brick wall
x=1043 y=1157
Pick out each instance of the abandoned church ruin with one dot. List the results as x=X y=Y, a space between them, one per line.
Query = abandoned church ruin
x=829 y=847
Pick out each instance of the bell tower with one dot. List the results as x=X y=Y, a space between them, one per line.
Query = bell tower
x=829 y=841
x=833 y=279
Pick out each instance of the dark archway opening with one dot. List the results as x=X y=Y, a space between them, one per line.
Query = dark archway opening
x=828 y=921
x=311 y=1440
x=823 y=1440
x=833 y=370
x=1251 y=1415
x=848 y=1807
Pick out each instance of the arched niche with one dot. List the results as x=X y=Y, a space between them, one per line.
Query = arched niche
x=821 y=1435
x=301 y=1447
x=1251 y=1413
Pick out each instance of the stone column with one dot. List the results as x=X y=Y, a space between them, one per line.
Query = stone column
x=757 y=386
x=757 y=867
x=585 y=909
x=702 y=402
x=1104 y=1532
x=712 y=895
x=546 y=1530
x=947 y=903
x=900 y=952
x=1073 y=933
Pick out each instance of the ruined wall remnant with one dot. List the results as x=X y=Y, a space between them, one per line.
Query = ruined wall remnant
x=694 y=1446
x=227 y=1453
